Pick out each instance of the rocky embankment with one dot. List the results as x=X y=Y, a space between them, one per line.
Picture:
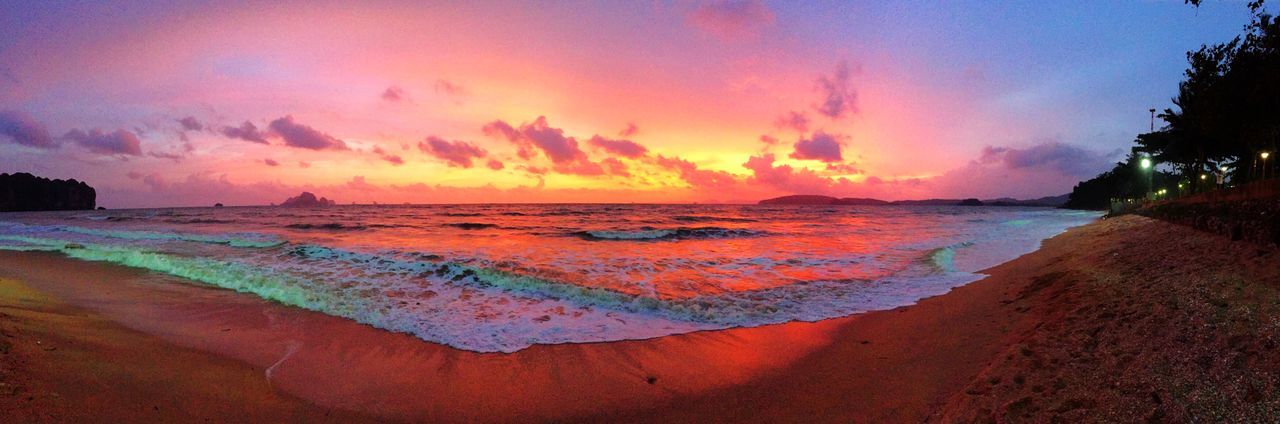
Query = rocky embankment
x=1256 y=221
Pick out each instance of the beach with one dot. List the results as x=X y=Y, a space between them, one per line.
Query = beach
x=1123 y=319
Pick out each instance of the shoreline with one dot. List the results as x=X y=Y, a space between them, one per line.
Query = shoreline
x=928 y=361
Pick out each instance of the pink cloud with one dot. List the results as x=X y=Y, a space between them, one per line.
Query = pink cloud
x=455 y=153
x=698 y=178
x=838 y=99
x=495 y=164
x=620 y=147
x=732 y=19
x=630 y=130
x=190 y=123
x=615 y=167
x=305 y=137
x=794 y=121
x=394 y=94
x=246 y=131
x=22 y=129
x=450 y=89
x=821 y=146
x=270 y=162
x=119 y=142
x=538 y=136
x=792 y=180
x=155 y=181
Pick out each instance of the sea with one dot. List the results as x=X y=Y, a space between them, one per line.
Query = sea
x=503 y=277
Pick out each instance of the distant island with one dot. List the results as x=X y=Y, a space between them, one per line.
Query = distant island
x=25 y=192
x=813 y=199
x=306 y=200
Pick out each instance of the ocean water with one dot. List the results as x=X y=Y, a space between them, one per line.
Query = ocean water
x=499 y=278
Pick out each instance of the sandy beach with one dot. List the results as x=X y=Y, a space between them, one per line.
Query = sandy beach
x=1125 y=319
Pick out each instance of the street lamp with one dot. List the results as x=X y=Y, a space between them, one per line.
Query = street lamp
x=1264 y=156
x=1145 y=165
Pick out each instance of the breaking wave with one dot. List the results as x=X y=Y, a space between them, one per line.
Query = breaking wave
x=669 y=234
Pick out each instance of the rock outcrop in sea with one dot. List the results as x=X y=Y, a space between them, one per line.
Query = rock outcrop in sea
x=25 y=192
x=306 y=200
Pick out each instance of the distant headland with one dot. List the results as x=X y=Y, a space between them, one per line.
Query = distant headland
x=819 y=200
x=25 y=192
x=306 y=200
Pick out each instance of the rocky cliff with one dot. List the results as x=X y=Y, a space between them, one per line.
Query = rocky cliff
x=26 y=192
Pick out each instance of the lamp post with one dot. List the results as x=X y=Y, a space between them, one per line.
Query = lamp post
x=1153 y=119
x=1145 y=165
x=1264 y=156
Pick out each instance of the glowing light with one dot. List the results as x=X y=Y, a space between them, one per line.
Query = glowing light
x=1203 y=176
x=1265 y=155
x=1146 y=162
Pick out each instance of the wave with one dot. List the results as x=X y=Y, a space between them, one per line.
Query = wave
x=233 y=239
x=460 y=214
x=943 y=258
x=703 y=218
x=669 y=234
x=435 y=299
x=471 y=225
x=200 y=221
x=332 y=226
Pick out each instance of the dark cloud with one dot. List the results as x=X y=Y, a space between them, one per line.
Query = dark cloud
x=271 y=162
x=495 y=165
x=838 y=99
x=630 y=130
x=1064 y=158
x=624 y=148
x=794 y=121
x=190 y=123
x=395 y=94
x=246 y=131
x=304 y=137
x=455 y=153
x=732 y=19
x=821 y=146
x=20 y=128
x=119 y=142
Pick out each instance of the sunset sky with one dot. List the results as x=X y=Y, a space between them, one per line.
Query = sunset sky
x=187 y=103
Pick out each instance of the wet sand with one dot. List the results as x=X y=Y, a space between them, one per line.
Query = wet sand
x=1012 y=346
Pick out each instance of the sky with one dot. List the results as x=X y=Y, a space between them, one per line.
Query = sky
x=181 y=103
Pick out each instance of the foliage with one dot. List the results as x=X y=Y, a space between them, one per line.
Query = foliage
x=1226 y=112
